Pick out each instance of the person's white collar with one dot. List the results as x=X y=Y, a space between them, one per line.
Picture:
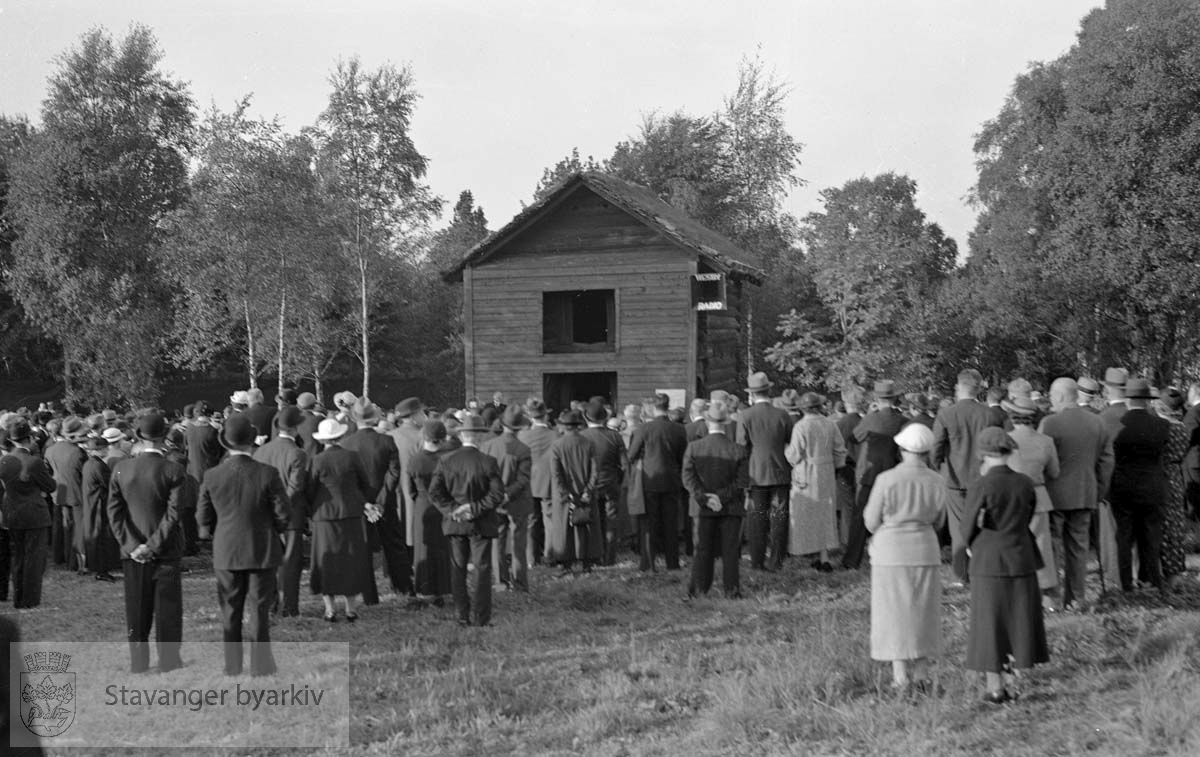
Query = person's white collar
x=239 y=453
x=594 y=425
x=154 y=450
x=282 y=435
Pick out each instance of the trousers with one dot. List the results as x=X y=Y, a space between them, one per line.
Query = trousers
x=510 y=555
x=288 y=574
x=28 y=549
x=471 y=578
x=1070 y=530
x=154 y=596
x=237 y=591
x=1140 y=525
x=767 y=525
x=658 y=530
x=719 y=536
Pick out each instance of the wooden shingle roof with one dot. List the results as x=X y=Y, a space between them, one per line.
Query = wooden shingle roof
x=672 y=223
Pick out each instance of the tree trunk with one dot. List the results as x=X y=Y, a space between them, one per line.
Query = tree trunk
x=249 y=343
x=68 y=374
x=366 y=355
x=282 y=314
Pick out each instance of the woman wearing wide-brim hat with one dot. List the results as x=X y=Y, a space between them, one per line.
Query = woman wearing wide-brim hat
x=906 y=507
x=1037 y=457
x=339 y=491
x=816 y=450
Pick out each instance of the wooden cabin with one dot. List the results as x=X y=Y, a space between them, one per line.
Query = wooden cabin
x=601 y=288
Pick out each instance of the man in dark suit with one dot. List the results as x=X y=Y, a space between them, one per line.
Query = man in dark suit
x=307 y=402
x=65 y=460
x=716 y=474
x=697 y=428
x=877 y=452
x=510 y=552
x=203 y=442
x=852 y=398
x=244 y=505
x=995 y=412
x=539 y=437
x=261 y=415
x=1085 y=458
x=956 y=432
x=467 y=489
x=659 y=444
x=382 y=462
x=143 y=508
x=1114 y=395
x=283 y=453
x=26 y=517
x=1088 y=389
x=765 y=430
x=611 y=462
x=1139 y=485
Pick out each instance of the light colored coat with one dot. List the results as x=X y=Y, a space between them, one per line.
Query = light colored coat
x=1085 y=458
x=816 y=450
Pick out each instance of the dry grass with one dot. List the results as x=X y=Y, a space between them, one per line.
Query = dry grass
x=616 y=663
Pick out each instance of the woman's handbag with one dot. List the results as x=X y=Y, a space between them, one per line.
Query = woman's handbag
x=579 y=513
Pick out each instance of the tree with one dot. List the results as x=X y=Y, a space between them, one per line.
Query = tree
x=875 y=263
x=86 y=197
x=568 y=166
x=372 y=170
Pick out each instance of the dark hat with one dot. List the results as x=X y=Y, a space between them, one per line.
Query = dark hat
x=19 y=430
x=514 y=417
x=306 y=401
x=535 y=408
x=1088 y=385
x=409 y=407
x=364 y=412
x=1019 y=406
x=238 y=433
x=151 y=427
x=1116 y=377
x=885 y=389
x=490 y=415
x=288 y=418
x=573 y=418
x=1172 y=398
x=994 y=441
x=716 y=413
x=758 y=382
x=789 y=399
x=434 y=431
x=75 y=429
x=596 y=412
x=474 y=423
x=287 y=396
x=1138 y=389
x=811 y=401
x=95 y=443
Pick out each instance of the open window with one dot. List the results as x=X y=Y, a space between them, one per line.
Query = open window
x=582 y=320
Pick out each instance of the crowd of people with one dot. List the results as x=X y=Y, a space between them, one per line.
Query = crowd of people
x=1014 y=487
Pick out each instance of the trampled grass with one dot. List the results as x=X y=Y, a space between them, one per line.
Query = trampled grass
x=617 y=663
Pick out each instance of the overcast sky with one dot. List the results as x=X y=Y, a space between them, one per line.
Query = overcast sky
x=508 y=88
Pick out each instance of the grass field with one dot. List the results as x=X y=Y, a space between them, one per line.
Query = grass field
x=616 y=663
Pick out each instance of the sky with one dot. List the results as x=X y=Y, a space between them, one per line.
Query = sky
x=509 y=88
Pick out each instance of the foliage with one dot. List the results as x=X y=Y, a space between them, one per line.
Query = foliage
x=87 y=194
x=876 y=263
x=564 y=168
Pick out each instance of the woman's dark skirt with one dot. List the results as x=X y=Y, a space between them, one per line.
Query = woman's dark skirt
x=1006 y=619
x=339 y=563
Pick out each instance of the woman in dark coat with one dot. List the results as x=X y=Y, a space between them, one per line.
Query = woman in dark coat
x=339 y=492
x=431 y=547
x=1006 y=605
x=100 y=547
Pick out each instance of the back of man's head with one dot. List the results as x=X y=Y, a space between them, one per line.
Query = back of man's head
x=968 y=383
x=1064 y=393
x=994 y=395
x=697 y=408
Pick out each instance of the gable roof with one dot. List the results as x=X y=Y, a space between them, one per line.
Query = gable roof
x=672 y=223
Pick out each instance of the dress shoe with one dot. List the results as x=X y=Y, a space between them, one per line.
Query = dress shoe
x=997 y=697
x=351 y=617
x=330 y=617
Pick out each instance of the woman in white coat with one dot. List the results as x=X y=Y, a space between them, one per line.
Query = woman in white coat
x=816 y=451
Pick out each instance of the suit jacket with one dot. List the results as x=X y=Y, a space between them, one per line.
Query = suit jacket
x=573 y=465
x=338 y=486
x=262 y=417
x=538 y=439
x=286 y=457
x=66 y=461
x=1003 y=545
x=765 y=430
x=716 y=465
x=611 y=459
x=144 y=498
x=26 y=481
x=246 y=502
x=659 y=444
x=467 y=477
x=1085 y=458
x=877 y=451
x=515 y=463
x=955 y=433
x=304 y=434
x=1139 y=479
x=204 y=449
x=999 y=418
x=697 y=429
x=846 y=424
x=381 y=460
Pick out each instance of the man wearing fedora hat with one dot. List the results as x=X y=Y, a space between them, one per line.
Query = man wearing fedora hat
x=244 y=504
x=659 y=444
x=1139 y=485
x=611 y=462
x=143 y=509
x=203 y=442
x=307 y=403
x=764 y=430
x=66 y=460
x=26 y=481
x=875 y=435
x=576 y=532
x=510 y=553
x=381 y=460
x=956 y=431
x=538 y=438
x=283 y=453
x=100 y=548
x=716 y=474
x=259 y=413
x=1114 y=395
x=1087 y=389
x=467 y=489
x=1037 y=457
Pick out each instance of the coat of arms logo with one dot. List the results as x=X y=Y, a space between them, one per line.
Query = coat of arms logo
x=47 y=690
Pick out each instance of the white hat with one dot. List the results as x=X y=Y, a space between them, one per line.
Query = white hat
x=112 y=435
x=240 y=397
x=915 y=437
x=254 y=395
x=344 y=400
x=330 y=429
